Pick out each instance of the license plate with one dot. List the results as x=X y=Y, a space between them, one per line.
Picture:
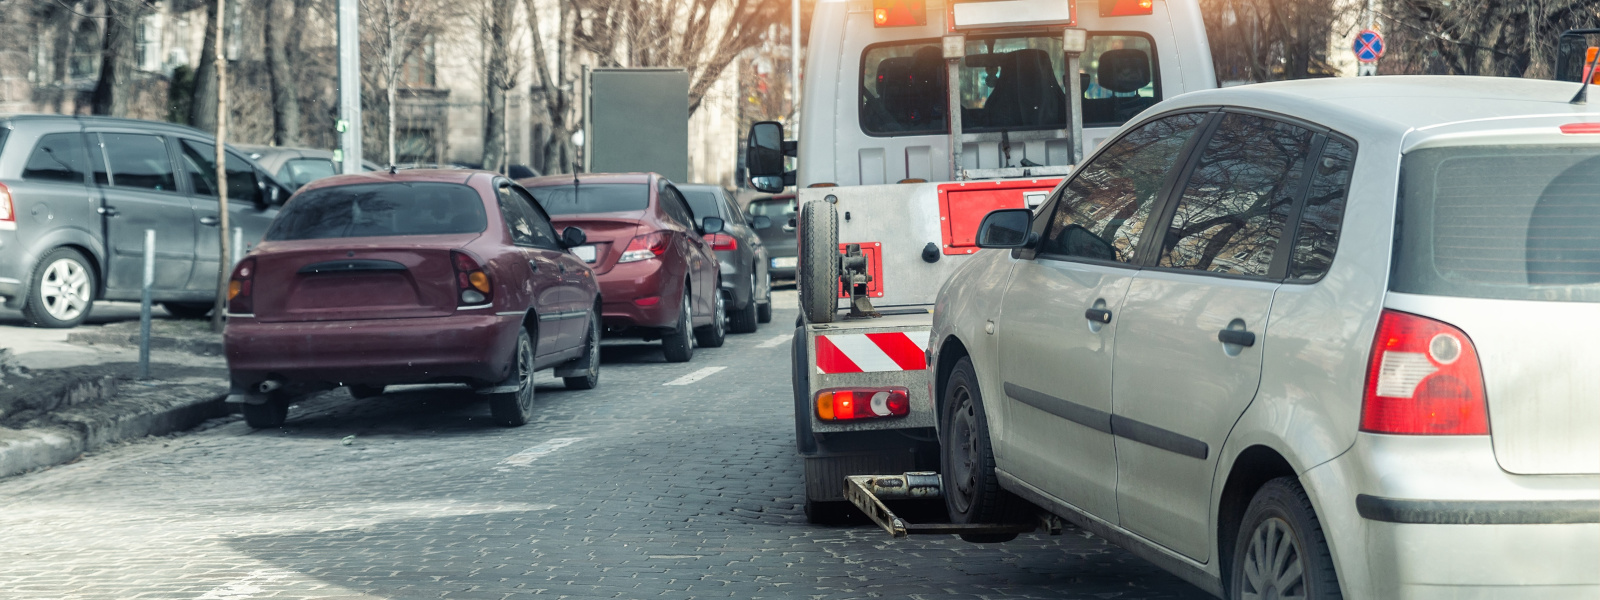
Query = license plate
x=785 y=262
x=584 y=252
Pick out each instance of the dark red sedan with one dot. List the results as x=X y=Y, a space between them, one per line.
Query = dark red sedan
x=425 y=276
x=659 y=277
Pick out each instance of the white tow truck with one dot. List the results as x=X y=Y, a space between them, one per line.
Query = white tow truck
x=921 y=117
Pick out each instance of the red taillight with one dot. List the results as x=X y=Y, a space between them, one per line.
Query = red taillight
x=8 y=212
x=1575 y=128
x=1423 y=378
x=472 y=283
x=240 y=287
x=899 y=13
x=647 y=301
x=722 y=241
x=849 y=404
x=645 y=247
x=1126 y=8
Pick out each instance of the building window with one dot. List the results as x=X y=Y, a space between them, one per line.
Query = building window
x=418 y=72
x=85 y=58
x=415 y=146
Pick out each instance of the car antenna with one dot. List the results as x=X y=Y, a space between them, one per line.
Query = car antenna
x=1589 y=63
x=392 y=169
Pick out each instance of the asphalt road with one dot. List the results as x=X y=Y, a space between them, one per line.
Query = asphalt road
x=669 y=480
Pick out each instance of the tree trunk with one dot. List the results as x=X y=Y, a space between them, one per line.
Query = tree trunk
x=203 y=110
x=280 y=72
x=118 y=50
x=494 y=78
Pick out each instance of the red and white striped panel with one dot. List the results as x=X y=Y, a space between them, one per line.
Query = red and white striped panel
x=871 y=352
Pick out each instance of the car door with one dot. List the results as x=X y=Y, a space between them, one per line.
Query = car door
x=140 y=191
x=573 y=275
x=752 y=250
x=543 y=282
x=700 y=260
x=249 y=212
x=1058 y=318
x=1193 y=325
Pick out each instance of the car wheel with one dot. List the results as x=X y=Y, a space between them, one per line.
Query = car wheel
x=591 y=358
x=764 y=309
x=799 y=362
x=712 y=336
x=62 y=292
x=744 y=320
x=1280 y=551
x=187 y=310
x=514 y=409
x=972 y=492
x=363 y=392
x=679 y=344
x=267 y=415
x=819 y=262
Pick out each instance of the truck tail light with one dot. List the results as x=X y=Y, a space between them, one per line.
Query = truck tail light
x=645 y=247
x=8 y=211
x=851 y=404
x=899 y=13
x=1126 y=8
x=722 y=241
x=240 y=286
x=1576 y=128
x=1423 y=378
x=472 y=283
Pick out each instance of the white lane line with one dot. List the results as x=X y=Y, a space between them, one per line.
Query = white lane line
x=695 y=376
x=526 y=457
x=777 y=341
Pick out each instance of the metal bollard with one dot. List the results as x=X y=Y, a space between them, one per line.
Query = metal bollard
x=144 y=302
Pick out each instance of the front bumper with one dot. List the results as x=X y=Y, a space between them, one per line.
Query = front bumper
x=626 y=283
x=1412 y=517
x=466 y=348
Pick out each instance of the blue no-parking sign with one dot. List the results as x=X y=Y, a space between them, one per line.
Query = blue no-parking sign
x=1368 y=46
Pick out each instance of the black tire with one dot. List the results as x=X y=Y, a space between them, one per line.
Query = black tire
x=764 y=308
x=744 y=320
x=678 y=345
x=515 y=409
x=590 y=358
x=61 y=293
x=818 y=276
x=713 y=335
x=804 y=443
x=267 y=415
x=187 y=310
x=363 y=392
x=966 y=460
x=830 y=512
x=1281 y=510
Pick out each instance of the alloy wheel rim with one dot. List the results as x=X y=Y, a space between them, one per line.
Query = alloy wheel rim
x=524 y=375
x=719 y=320
x=65 y=289
x=1272 y=565
x=688 y=320
x=963 y=471
x=594 y=346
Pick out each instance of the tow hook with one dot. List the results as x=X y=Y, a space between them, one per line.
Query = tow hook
x=868 y=492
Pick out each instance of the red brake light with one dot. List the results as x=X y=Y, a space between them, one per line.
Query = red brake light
x=240 y=287
x=472 y=283
x=842 y=404
x=1423 y=378
x=722 y=241
x=899 y=13
x=1574 y=128
x=1126 y=8
x=8 y=212
x=645 y=247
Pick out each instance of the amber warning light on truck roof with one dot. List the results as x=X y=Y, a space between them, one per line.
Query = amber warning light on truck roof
x=899 y=13
x=1126 y=8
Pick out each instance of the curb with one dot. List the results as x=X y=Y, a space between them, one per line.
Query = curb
x=191 y=345
x=134 y=414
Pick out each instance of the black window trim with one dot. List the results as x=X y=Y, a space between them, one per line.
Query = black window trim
x=1155 y=68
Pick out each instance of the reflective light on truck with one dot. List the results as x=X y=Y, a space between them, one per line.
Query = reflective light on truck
x=852 y=404
x=1423 y=378
x=1126 y=8
x=899 y=13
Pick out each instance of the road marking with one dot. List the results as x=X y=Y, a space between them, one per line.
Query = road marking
x=777 y=341
x=695 y=376
x=526 y=457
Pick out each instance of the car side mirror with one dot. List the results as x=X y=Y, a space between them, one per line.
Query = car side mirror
x=764 y=152
x=761 y=222
x=711 y=225
x=572 y=237
x=1008 y=228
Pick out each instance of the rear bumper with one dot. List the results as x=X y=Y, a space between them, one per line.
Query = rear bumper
x=1430 y=518
x=12 y=291
x=626 y=284
x=468 y=348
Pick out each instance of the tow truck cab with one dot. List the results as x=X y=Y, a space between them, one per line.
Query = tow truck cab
x=897 y=167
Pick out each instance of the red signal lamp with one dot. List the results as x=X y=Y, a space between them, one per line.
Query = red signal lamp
x=899 y=13
x=1126 y=8
x=854 y=404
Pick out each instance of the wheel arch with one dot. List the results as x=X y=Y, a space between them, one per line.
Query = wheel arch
x=951 y=351
x=1251 y=469
x=75 y=239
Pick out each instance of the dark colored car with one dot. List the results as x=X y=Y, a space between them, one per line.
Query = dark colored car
x=777 y=233
x=426 y=276
x=658 y=275
x=295 y=167
x=742 y=257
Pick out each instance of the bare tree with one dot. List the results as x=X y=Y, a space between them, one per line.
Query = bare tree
x=1266 y=40
x=500 y=71
x=555 y=91
x=1479 y=37
x=282 y=18
x=401 y=29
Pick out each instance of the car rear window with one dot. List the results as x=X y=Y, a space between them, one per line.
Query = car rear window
x=380 y=209
x=1501 y=222
x=592 y=198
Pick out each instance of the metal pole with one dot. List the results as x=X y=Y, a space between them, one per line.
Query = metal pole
x=794 y=63
x=350 y=85
x=144 y=302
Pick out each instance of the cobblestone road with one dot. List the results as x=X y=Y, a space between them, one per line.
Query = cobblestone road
x=633 y=490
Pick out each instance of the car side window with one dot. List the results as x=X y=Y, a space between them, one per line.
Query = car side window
x=544 y=234
x=1236 y=204
x=731 y=209
x=199 y=160
x=1101 y=214
x=674 y=205
x=527 y=228
x=58 y=157
x=139 y=161
x=1318 y=234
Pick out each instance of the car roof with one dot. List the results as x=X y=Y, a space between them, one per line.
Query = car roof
x=89 y=120
x=639 y=178
x=461 y=176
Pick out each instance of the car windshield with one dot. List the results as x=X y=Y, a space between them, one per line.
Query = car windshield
x=1503 y=222
x=703 y=202
x=592 y=198
x=380 y=209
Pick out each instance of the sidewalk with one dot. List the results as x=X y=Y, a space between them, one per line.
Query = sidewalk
x=60 y=399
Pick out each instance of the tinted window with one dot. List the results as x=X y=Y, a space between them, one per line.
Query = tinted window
x=703 y=203
x=139 y=161
x=1118 y=77
x=1318 y=234
x=1102 y=213
x=1507 y=222
x=672 y=203
x=1235 y=205
x=1013 y=83
x=58 y=157
x=903 y=89
x=301 y=171
x=380 y=209
x=592 y=198
x=528 y=227
x=199 y=160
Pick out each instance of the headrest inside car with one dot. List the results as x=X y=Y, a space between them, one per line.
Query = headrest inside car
x=1124 y=71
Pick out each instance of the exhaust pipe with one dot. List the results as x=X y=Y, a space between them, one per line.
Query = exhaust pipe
x=269 y=386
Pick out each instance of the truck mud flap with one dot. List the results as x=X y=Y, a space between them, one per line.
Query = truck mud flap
x=868 y=492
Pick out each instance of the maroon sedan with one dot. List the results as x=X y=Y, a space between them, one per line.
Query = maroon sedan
x=658 y=275
x=426 y=276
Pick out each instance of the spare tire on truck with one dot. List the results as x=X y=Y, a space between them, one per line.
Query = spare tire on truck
x=818 y=277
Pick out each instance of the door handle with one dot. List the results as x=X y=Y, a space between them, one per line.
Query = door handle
x=1098 y=315
x=1237 y=337
x=110 y=211
x=212 y=221
x=563 y=268
x=534 y=264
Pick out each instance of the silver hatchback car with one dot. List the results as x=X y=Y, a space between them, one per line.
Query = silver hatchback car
x=1306 y=339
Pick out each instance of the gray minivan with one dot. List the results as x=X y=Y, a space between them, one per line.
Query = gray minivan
x=78 y=193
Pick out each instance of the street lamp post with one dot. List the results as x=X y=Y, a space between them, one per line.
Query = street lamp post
x=350 y=86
